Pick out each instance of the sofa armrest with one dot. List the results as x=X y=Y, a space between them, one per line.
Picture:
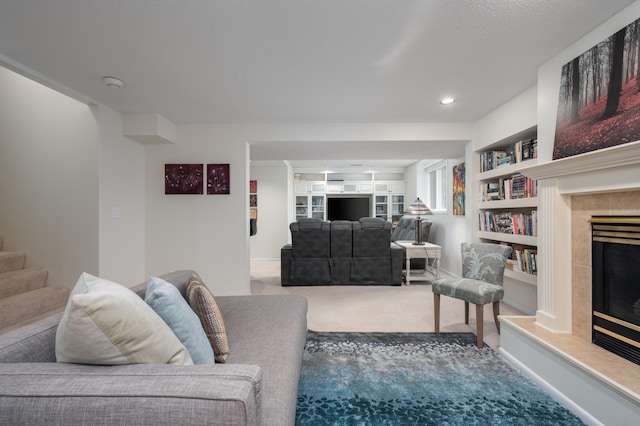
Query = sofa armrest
x=286 y=253
x=397 y=253
x=140 y=394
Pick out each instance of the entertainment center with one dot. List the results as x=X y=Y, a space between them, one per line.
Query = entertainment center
x=349 y=195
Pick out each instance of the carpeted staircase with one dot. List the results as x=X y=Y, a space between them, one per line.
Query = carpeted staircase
x=24 y=296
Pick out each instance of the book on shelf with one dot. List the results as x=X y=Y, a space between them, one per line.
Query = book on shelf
x=508 y=188
x=523 y=258
x=517 y=152
x=514 y=223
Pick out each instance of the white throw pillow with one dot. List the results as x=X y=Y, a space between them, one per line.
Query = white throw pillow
x=106 y=323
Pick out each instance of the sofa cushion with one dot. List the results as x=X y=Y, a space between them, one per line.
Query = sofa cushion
x=166 y=301
x=205 y=306
x=106 y=323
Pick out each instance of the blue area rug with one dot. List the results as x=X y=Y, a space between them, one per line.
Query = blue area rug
x=416 y=379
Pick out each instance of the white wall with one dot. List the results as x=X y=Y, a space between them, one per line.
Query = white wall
x=208 y=233
x=518 y=114
x=49 y=171
x=273 y=210
x=122 y=186
x=448 y=231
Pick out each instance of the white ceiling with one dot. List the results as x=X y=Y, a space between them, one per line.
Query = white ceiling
x=294 y=61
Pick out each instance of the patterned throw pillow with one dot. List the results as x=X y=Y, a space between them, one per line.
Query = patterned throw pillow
x=204 y=305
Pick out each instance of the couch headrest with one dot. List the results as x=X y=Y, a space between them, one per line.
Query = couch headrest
x=371 y=223
x=341 y=225
x=308 y=224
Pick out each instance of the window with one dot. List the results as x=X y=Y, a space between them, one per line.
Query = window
x=436 y=186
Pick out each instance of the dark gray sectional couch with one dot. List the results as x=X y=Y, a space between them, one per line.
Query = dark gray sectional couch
x=341 y=253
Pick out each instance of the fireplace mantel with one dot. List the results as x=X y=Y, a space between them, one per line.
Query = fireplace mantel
x=609 y=169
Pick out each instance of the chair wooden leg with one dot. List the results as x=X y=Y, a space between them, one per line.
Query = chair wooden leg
x=436 y=311
x=466 y=312
x=479 y=325
x=496 y=312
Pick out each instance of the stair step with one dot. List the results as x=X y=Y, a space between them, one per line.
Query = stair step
x=11 y=260
x=25 y=306
x=21 y=281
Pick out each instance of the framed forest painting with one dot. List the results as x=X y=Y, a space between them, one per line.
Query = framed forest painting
x=599 y=100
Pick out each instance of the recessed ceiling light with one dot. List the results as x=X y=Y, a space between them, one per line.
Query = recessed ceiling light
x=113 y=82
x=447 y=101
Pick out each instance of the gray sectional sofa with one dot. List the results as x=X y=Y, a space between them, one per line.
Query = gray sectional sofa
x=256 y=386
x=341 y=253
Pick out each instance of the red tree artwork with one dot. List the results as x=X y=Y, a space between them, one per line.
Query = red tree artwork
x=599 y=103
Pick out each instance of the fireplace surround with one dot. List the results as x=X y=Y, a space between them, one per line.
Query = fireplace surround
x=616 y=284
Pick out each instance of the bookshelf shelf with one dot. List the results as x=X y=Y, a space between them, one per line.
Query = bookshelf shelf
x=522 y=276
x=514 y=203
x=508 y=238
x=506 y=170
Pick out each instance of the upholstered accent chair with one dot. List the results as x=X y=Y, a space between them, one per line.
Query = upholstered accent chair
x=481 y=283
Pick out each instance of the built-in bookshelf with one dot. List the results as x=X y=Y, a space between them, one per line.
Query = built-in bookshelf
x=507 y=201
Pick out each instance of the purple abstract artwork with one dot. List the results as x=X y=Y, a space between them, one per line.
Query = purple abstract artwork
x=218 y=179
x=183 y=178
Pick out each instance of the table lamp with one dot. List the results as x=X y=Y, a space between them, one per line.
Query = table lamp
x=418 y=208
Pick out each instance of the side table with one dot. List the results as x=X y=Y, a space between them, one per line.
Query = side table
x=426 y=251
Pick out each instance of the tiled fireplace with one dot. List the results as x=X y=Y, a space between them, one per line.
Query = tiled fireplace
x=583 y=207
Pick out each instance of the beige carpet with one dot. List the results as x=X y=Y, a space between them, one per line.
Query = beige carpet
x=375 y=308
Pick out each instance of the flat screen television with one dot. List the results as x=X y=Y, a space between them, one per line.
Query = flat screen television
x=348 y=208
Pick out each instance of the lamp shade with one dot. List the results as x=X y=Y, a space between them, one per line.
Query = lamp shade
x=418 y=208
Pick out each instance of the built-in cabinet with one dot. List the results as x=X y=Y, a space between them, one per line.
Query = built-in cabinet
x=507 y=201
x=310 y=206
x=389 y=207
x=387 y=191
x=310 y=188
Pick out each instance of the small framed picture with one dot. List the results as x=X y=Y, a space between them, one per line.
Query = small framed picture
x=218 y=179
x=183 y=178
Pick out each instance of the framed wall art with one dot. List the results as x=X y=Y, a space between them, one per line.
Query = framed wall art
x=458 y=189
x=183 y=178
x=253 y=199
x=598 y=105
x=218 y=179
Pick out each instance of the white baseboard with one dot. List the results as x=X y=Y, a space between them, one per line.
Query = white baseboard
x=555 y=394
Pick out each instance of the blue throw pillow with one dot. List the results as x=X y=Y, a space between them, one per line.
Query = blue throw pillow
x=165 y=299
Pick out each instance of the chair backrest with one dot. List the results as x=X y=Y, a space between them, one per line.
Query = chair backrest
x=371 y=237
x=484 y=261
x=310 y=238
x=405 y=230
